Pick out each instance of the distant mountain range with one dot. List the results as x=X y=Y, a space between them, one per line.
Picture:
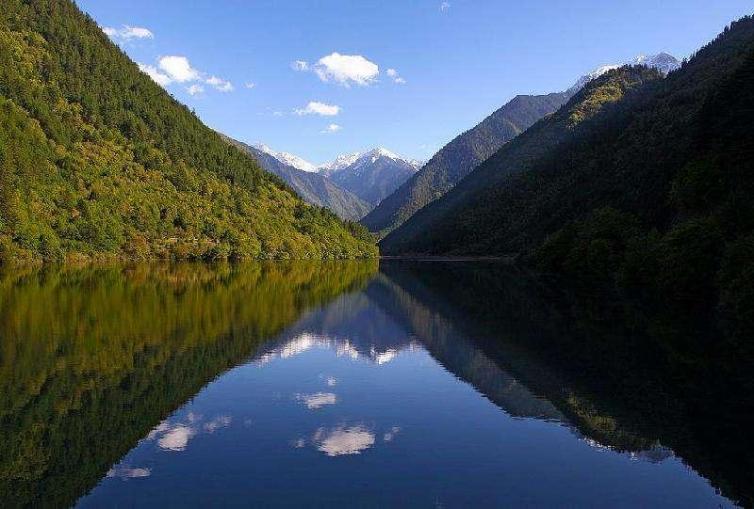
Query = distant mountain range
x=313 y=187
x=367 y=176
x=372 y=175
x=464 y=153
x=384 y=189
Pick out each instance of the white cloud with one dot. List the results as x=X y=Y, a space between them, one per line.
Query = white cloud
x=445 y=7
x=317 y=400
x=300 y=65
x=195 y=89
x=393 y=74
x=331 y=381
x=343 y=441
x=128 y=33
x=178 y=68
x=250 y=85
x=332 y=128
x=346 y=69
x=160 y=78
x=319 y=108
x=219 y=84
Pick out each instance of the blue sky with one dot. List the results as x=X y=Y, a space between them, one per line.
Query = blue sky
x=455 y=62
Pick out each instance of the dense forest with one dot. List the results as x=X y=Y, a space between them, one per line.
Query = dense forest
x=76 y=395
x=95 y=158
x=638 y=180
x=459 y=157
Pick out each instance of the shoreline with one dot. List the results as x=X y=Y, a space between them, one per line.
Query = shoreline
x=428 y=258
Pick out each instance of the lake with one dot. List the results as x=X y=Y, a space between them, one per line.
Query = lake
x=400 y=384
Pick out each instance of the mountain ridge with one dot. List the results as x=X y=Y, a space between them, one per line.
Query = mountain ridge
x=371 y=175
x=456 y=159
x=315 y=188
x=640 y=181
x=472 y=147
x=97 y=160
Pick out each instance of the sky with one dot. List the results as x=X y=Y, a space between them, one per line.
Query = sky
x=319 y=78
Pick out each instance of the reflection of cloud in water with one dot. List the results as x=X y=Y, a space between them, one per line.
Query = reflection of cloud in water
x=175 y=436
x=388 y=437
x=176 y=439
x=126 y=472
x=317 y=400
x=222 y=421
x=343 y=441
x=342 y=347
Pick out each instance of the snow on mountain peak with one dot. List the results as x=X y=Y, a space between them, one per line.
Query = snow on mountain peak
x=340 y=162
x=358 y=159
x=383 y=152
x=417 y=163
x=663 y=62
x=286 y=158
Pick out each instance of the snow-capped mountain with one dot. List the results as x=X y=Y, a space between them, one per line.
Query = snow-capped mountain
x=346 y=160
x=371 y=175
x=663 y=62
x=417 y=163
x=286 y=158
x=340 y=162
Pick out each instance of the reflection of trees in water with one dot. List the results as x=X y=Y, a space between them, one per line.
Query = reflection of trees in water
x=91 y=359
x=625 y=377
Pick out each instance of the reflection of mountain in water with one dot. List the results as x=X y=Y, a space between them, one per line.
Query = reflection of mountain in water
x=92 y=359
x=625 y=378
x=382 y=320
x=353 y=325
x=584 y=362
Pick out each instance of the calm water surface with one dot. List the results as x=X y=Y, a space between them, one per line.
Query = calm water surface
x=420 y=385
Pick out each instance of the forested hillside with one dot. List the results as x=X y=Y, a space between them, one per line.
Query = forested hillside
x=95 y=158
x=649 y=184
x=314 y=188
x=456 y=159
x=440 y=220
